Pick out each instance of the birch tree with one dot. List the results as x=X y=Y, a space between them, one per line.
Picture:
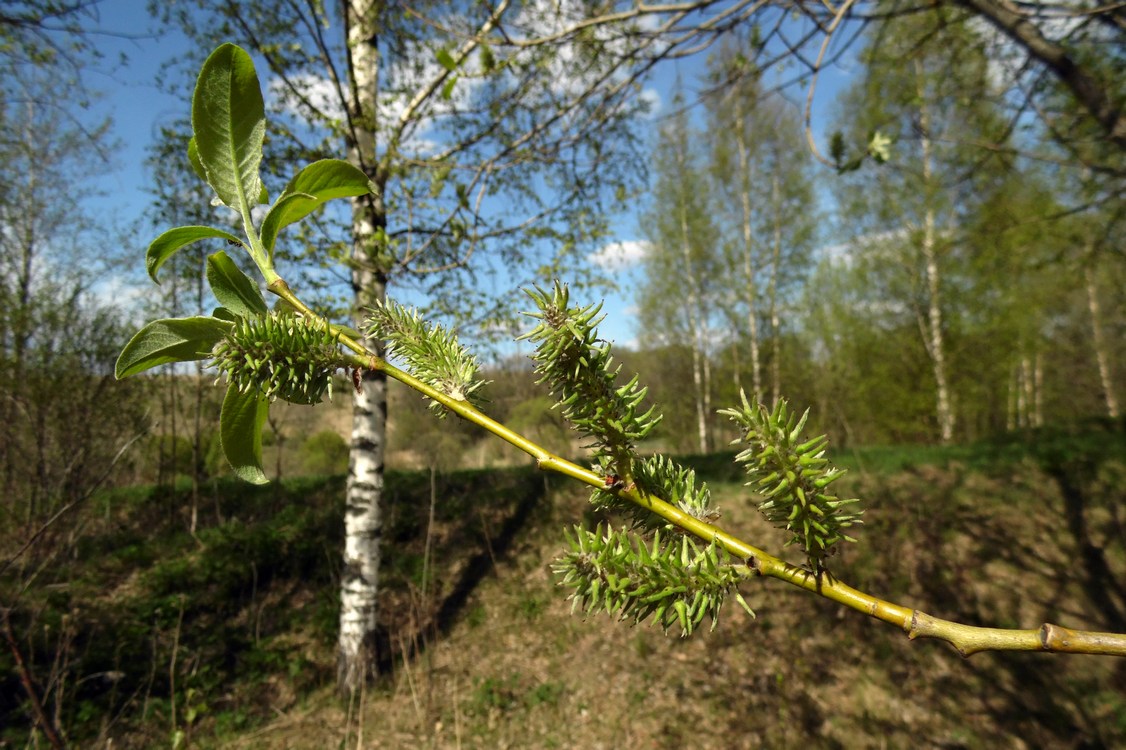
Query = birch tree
x=760 y=171
x=928 y=90
x=678 y=296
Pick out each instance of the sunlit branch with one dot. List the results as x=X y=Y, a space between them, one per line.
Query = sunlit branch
x=808 y=112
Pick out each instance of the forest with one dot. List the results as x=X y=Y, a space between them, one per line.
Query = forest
x=902 y=220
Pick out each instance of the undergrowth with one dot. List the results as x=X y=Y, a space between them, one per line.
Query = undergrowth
x=149 y=625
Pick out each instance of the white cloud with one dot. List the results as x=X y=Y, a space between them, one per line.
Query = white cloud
x=408 y=76
x=619 y=255
x=121 y=293
x=319 y=91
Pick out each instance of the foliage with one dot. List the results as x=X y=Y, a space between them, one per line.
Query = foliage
x=64 y=419
x=264 y=354
x=324 y=452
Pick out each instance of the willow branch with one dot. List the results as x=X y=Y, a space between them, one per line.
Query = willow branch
x=967 y=639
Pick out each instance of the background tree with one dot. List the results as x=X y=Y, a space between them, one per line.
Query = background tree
x=908 y=213
x=678 y=299
x=764 y=190
x=66 y=421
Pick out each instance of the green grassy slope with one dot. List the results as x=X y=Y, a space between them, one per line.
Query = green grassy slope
x=1008 y=533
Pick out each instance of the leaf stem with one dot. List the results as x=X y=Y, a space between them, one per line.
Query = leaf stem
x=258 y=253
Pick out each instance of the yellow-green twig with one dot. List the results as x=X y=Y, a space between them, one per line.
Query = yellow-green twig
x=967 y=639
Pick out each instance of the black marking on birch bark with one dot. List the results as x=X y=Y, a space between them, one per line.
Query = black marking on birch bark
x=366 y=444
x=360 y=485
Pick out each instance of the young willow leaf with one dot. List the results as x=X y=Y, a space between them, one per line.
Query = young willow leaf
x=170 y=340
x=193 y=159
x=446 y=60
x=240 y=432
x=233 y=288
x=229 y=121
x=166 y=245
x=318 y=182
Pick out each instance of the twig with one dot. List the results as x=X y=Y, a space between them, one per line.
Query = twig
x=29 y=686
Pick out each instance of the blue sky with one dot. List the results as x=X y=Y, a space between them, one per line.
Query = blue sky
x=138 y=108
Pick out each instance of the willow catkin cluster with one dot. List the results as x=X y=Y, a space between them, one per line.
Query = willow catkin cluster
x=430 y=352
x=285 y=356
x=673 y=582
x=577 y=366
x=792 y=475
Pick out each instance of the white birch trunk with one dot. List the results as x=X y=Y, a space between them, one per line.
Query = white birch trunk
x=775 y=321
x=694 y=323
x=1011 y=418
x=1110 y=399
x=362 y=518
x=1026 y=397
x=746 y=172
x=1038 y=390
x=937 y=347
x=696 y=320
x=936 y=344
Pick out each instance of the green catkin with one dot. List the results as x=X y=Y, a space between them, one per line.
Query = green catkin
x=283 y=355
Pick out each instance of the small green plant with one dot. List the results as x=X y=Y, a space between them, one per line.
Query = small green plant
x=669 y=563
x=324 y=452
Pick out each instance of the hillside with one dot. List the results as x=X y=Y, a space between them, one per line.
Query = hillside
x=228 y=639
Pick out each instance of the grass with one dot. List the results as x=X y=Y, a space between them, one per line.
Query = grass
x=999 y=533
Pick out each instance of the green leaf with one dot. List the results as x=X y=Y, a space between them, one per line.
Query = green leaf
x=166 y=245
x=229 y=120
x=318 y=182
x=193 y=158
x=240 y=432
x=233 y=288
x=879 y=146
x=448 y=88
x=488 y=61
x=223 y=313
x=170 y=340
x=446 y=60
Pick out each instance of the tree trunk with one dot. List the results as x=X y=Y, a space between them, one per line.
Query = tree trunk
x=362 y=517
x=936 y=345
x=775 y=321
x=695 y=325
x=1038 y=390
x=1099 y=342
x=746 y=173
x=1012 y=403
x=696 y=317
